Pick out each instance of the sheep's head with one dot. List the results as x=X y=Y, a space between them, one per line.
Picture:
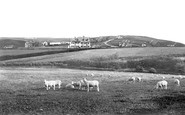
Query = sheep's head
x=84 y=79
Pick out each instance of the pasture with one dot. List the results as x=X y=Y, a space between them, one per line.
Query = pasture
x=89 y=54
x=22 y=91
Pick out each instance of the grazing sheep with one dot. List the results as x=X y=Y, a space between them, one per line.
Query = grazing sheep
x=80 y=84
x=177 y=82
x=92 y=74
x=69 y=85
x=138 y=79
x=93 y=83
x=52 y=83
x=76 y=84
x=181 y=77
x=132 y=79
x=161 y=84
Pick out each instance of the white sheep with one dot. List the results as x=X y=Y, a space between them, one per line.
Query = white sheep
x=80 y=84
x=52 y=83
x=69 y=85
x=138 y=79
x=177 y=82
x=93 y=83
x=162 y=84
x=92 y=74
x=132 y=79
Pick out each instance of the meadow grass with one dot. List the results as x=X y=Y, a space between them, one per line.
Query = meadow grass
x=22 y=91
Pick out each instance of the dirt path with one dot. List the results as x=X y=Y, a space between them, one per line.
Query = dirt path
x=106 y=43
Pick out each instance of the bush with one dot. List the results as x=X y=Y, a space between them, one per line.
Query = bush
x=152 y=70
x=139 y=68
x=180 y=67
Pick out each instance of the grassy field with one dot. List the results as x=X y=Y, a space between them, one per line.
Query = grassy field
x=22 y=91
x=88 y=54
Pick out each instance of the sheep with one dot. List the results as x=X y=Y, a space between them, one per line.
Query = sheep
x=138 y=79
x=69 y=85
x=93 y=83
x=78 y=84
x=161 y=84
x=92 y=74
x=177 y=82
x=132 y=79
x=52 y=83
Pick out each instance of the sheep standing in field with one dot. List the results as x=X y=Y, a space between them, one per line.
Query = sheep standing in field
x=162 y=84
x=76 y=84
x=138 y=79
x=80 y=84
x=93 y=83
x=52 y=83
x=133 y=79
x=69 y=85
x=92 y=74
x=177 y=82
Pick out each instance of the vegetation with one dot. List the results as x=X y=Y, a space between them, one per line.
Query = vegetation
x=105 y=59
x=24 y=93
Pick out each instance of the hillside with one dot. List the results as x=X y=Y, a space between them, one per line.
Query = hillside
x=133 y=41
x=97 y=42
x=11 y=43
x=97 y=53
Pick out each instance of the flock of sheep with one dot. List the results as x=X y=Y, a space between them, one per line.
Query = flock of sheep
x=87 y=84
x=163 y=84
x=81 y=85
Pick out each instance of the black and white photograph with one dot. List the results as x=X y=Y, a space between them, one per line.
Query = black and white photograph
x=92 y=57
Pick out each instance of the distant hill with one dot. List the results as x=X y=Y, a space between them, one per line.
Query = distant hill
x=97 y=42
x=16 y=42
x=133 y=41
x=11 y=43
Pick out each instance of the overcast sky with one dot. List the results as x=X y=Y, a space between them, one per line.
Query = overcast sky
x=162 y=19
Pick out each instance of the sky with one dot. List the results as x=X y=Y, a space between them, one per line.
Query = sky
x=162 y=19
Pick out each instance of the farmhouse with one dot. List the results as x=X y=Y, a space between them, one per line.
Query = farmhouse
x=28 y=44
x=45 y=43
x=80 y=42
x=55 y=43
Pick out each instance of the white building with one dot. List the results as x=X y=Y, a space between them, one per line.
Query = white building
x=79 y=44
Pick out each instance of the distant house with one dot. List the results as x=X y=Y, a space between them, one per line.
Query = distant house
x=143 y=45
x=119 y=37
x=45 y=43
x=54 y=43
x=80 y=43
x=28 y=44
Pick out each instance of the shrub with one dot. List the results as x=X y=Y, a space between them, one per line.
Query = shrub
x=180 y=67
x=152 y=70
x=139 y=68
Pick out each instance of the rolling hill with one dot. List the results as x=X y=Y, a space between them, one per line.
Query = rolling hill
x=11 y=43
x=98 y=42
x=134 y=41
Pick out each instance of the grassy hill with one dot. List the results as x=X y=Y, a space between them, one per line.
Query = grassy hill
x=137 y=41
x=15 y=43
x=98 y=42
x=163 y=59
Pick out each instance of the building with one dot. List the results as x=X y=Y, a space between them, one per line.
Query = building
x=45 y=43
x=80 y=42
x=28 y=44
